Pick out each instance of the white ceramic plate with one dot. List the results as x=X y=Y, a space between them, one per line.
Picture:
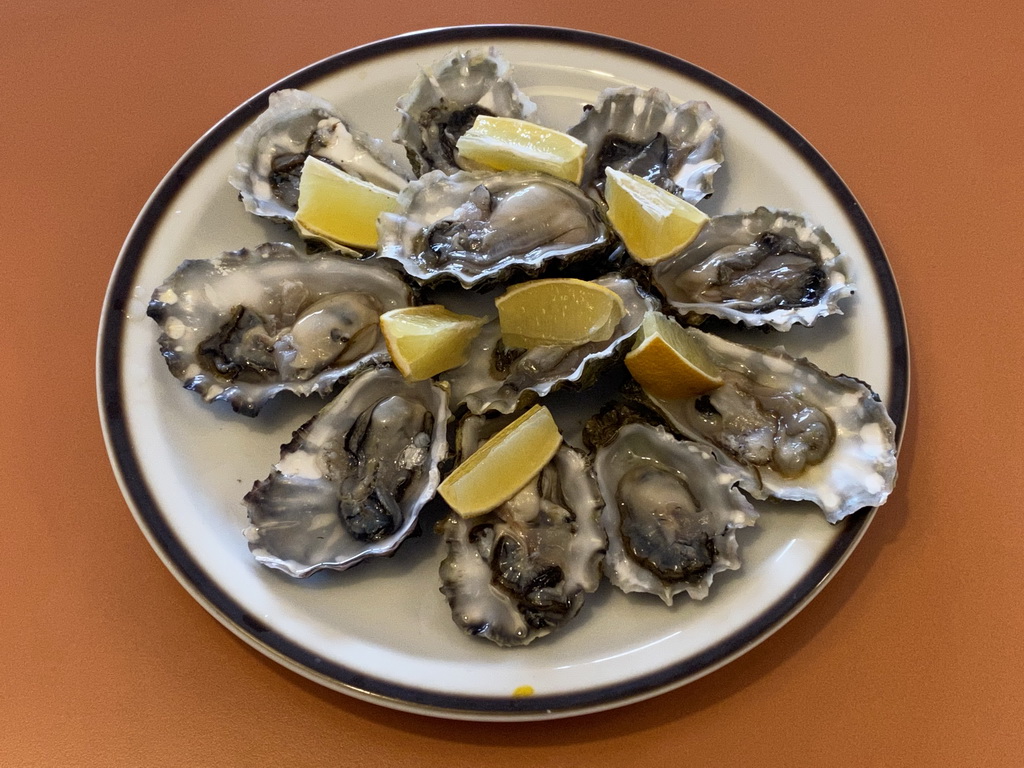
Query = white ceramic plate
x=382 y=631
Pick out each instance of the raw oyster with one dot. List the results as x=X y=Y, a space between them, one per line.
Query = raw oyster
x=629 y=405
x=671 y=513
x=522 y=570
x=444 y=101
x=252 y=323
x=644 y=132
x=352 y=481
x=765 y=267
x=271 y=151
x=479 y=227
x=497 y=378
x=796 y=432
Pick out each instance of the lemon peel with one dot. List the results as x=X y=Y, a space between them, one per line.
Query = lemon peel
x=508 y=144
x=426 y=340
x=502 y=466
x=558 y=311
x=340 y=208
x=653 y=223
x=669 y=362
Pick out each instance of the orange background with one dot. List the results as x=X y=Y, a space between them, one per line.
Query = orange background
x=912 y=655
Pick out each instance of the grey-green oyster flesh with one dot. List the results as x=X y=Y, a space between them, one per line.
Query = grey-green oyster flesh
x=671 y=513
x=758 y=268
x=481 y=227
x=352 y=481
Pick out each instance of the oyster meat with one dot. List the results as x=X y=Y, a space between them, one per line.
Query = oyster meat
x=795 y=431
x=479 y=227
x=296 y=124
x=497 y=378
x=671 y=513
x=252 y=323
x=445 y=99
x=523 y=570
x=764 y=267
x=644 y=132
x=352 y=481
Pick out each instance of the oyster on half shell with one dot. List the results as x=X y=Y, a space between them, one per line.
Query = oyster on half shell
x=445 y=99
x=351 y=483
x=499 y=379
x=644 y=132
x=479 y=227
x=671 y=513
x=253 y=323
x=763 y=267
x=524 y=569
x=295 y=125
x=793 y=430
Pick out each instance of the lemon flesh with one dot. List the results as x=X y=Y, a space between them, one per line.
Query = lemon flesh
x=652 y=223
x=427 y=340
x=339 y=208
x=558 y=311
x=507 y=144
x=669 y=362
x=502 y=466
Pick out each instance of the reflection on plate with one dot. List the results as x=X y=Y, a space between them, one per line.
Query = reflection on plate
x=382 y=632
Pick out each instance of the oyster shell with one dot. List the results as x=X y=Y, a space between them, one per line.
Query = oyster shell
x=498 y=379
x=671 y=513
x=252 y=323
x=479 y=227
x=296 y=124
x=763 y=267
x=523 y=570
x=352 y=481
x=795 y=431
x=644 y=132
x=444 y=100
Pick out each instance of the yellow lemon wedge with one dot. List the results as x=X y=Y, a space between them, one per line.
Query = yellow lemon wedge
x=502 y=466
x=424 y=341
x=560 y=311
x=507 y=144
x=652 y=223
x=669 y=362
x=339 y=208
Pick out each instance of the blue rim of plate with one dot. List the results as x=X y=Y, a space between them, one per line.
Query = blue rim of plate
x=191 y=573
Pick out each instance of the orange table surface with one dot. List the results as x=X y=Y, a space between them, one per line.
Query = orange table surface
x=911 y=655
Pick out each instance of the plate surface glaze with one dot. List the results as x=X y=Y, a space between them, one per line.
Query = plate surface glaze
x=382 y=631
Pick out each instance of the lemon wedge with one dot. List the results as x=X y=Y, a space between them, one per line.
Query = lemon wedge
x=502 y=466
x=560 y=311
x=508 y=144
x=653 y=223
x=339 y=208
x=669 y=362
x=424 y=341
